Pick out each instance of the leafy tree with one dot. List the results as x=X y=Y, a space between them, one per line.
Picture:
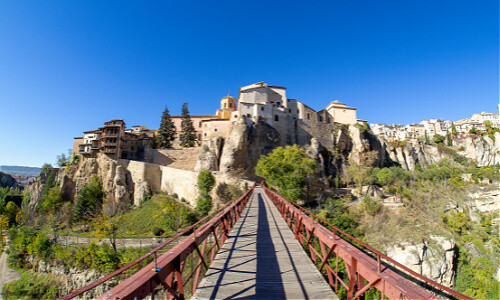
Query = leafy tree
x=63 y=160
x=439 y=139
x=53 y=200
x=46 y=167
x=287 y=169
x=188 y=134
x=11 y=210
x=166 y=133
x=385 y=176
x=4 y=222
x=89 y=200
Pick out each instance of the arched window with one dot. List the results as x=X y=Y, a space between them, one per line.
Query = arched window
x=225 y=105
x=230 y=105
x=276 y=118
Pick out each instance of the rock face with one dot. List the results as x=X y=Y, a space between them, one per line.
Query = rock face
x=485 y=151
x=112 y=176
x=7 y=180
x=73 y=278
x=433 y=258
x=35 y=188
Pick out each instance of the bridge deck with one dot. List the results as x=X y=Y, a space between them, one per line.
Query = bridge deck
x=262 y=259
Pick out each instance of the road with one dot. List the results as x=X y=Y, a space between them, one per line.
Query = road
x=6 y=274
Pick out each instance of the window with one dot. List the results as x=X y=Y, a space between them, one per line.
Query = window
x=215 y=129
x=298 y=111
x=277 y=103
x=289 y=110
x=327 y=120
x=276 y=118
x=308 y=116
x=262 y=108
x=225 y=105
x=248 y=115
x=321 y=118
x=205 y=134
x=199 y=124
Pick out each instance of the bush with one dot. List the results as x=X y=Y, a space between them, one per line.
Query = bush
x=206 y=181
x=33 y=286
x=370 y=205
x=204 y=205
x=89 y=200
x=157 y=231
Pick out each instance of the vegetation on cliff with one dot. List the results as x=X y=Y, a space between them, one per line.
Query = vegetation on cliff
x=188 y=133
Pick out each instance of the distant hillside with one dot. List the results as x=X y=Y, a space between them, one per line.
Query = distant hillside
x=20 y=170
x=7 y=181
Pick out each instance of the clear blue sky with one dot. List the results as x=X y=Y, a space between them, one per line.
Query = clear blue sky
x=68 y=66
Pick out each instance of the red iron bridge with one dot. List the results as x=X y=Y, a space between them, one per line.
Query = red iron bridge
x=262 y=246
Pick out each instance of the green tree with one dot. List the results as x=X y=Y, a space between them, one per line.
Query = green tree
x=385 y=176
x=287 y=169
x=166 y=133
x=89 y=200
x=439 y=139
x=188 y=134
x=453 y=128
x=63 y=160
x=449 y=141
x=53 y=200
x=206 y=182
x=46 y=167
x=11 y=210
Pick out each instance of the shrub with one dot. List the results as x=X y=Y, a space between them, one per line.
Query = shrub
x=33 y=286
x=89 y=200
x=204 y=205
x=370 y=205
x=157 y=231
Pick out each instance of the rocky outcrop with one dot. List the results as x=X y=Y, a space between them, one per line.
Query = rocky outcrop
x=239 y=153
x=6 y=180
x=73 y=278
x=484 y=150
x=36 y=187
x=112 y=176
x=433 y=258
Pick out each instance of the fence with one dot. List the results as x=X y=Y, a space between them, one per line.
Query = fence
x=364 y=270
x=178 y=271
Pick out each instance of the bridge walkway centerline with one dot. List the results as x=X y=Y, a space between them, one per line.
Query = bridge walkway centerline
x=261 y=259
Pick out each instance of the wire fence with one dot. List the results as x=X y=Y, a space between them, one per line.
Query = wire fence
x=121 y=243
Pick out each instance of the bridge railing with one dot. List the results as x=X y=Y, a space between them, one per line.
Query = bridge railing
x=365 y=266
x=178 y=271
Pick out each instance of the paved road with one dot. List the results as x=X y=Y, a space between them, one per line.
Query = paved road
x=6 y=274
x=261 y=259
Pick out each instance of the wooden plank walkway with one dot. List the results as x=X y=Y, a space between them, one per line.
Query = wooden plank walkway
x=261 y=259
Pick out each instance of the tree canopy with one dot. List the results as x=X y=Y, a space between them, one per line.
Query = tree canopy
x=287 y=170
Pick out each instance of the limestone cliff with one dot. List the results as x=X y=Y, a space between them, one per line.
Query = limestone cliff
x=433 y=258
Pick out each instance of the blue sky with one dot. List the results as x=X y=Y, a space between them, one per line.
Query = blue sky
x=68 y=66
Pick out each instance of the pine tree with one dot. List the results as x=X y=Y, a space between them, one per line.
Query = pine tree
x=453 y=129
x=188 y=134
x=166 y=133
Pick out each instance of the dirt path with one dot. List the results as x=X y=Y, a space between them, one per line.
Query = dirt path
x=6 y=274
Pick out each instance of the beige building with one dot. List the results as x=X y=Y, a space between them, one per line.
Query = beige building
x=341 y=113
x=113 y=140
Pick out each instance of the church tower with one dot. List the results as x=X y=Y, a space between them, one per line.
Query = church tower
x=227 y=105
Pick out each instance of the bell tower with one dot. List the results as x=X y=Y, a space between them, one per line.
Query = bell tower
x=227 y=105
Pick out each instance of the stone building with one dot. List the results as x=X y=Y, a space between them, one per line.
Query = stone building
x=114 y=140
